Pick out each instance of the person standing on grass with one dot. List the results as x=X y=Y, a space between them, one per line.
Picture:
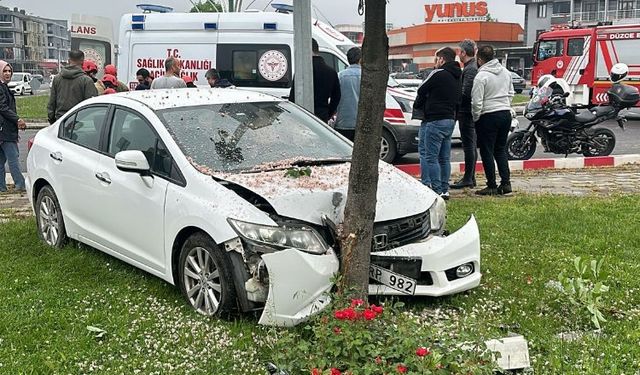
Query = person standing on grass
x=491 y=109
x=171 y=78
x=70 y=87
x=465 y=120
x=438 y=97
x=9 y=125
x=349 y=95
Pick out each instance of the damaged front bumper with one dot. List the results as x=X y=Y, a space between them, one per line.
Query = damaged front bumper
x=433 y=263
x=299 y=285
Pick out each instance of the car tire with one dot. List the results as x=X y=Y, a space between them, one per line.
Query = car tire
x=31 y=92
x=388 y=147
x=203 y=263
x=49 y=218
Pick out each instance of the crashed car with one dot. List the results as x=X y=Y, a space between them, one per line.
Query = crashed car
x=235 y=197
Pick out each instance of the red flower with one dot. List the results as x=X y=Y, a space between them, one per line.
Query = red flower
x=339 y=314
x=316 y=371
x=377 y=309
x=337 y=330
x=401 y=369
x=350 y=314
x=422 y=351
x=335 y=371
x=357 y=302
x=369 y=314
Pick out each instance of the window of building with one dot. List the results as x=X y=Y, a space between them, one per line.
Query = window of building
x=542 y=10
x=589 y=11
x=563 y=7
x=575 y=47
x=626 y=8
x=6 y=37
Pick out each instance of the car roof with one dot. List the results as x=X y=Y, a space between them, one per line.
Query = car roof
x=185 y=97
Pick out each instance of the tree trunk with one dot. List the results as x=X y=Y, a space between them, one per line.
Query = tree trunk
x=360 y=210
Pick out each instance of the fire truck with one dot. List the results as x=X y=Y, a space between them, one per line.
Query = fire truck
x=584 y=57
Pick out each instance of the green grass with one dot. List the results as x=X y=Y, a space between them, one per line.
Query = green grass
x=49 y=297
x=33 y=108
x=520 y=99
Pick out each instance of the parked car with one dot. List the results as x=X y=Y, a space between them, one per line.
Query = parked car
x=519 y=83
x=21 y=84
x=197 y=191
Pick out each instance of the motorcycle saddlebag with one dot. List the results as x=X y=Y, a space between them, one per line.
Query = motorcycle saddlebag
x=623 y=96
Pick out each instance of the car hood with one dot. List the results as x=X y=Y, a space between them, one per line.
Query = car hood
x=13 y=84
x=324 y=193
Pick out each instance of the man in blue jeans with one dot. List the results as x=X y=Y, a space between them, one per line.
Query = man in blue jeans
x=440 y=93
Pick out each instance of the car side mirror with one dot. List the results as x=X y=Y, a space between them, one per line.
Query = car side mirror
x=133 y=161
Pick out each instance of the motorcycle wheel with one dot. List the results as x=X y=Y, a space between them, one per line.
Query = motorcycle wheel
x=603 y=143
x=520 y=146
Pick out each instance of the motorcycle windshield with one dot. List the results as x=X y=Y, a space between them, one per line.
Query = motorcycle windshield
x=539 y=99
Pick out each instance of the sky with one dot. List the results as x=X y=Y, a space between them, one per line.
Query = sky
x=399 y=12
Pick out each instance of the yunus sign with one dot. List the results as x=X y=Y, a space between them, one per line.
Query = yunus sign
x=456 y=12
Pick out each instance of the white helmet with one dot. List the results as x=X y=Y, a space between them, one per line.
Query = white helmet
x=558 y=85
x=544 y=79
x=619 y=72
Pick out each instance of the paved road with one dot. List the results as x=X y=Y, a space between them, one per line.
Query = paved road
x=627 y=142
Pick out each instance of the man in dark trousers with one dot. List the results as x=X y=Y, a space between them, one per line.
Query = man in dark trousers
x=70 y=87
x=440 y=93
x=465 y=120
x=491 y=109
x=326 y=87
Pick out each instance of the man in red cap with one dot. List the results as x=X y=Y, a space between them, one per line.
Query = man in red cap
x=111 y=69
x=91 y=69
x=189 y=81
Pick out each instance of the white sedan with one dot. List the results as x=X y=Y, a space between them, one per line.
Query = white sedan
x=202 y=188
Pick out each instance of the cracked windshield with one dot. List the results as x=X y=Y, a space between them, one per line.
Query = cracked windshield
x=256 y=136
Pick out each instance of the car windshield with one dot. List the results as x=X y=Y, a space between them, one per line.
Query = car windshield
x=252 y=137
x=391 y=82
x=515 y=75
x=17 y=77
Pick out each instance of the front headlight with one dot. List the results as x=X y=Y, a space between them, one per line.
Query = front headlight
x=299 y=237
x=438 y=214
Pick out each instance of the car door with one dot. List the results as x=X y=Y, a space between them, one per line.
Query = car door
x=73 y=161
x=132 y=205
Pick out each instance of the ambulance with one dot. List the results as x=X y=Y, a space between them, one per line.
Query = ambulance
x=252 y=49
x=584 y=57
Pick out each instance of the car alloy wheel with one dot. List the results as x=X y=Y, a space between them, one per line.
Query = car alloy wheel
x=205 y=276
x=51 y=227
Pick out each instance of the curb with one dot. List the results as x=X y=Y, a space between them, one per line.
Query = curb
x=522 y=165
x=36 y=125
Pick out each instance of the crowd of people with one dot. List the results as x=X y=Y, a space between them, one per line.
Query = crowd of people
x=478 y=96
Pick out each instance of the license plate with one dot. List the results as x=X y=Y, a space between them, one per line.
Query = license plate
x=393 y=280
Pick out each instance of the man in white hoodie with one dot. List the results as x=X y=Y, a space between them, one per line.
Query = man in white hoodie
x=491 y=110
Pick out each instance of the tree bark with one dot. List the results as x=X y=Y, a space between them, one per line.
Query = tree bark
x=360 y=210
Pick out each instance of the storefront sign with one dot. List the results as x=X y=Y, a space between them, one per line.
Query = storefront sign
x=456 y=12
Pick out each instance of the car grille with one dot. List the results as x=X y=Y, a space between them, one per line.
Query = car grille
x=394 y=233
x=409 y=267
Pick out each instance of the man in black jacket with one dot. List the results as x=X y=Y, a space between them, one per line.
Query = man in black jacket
x=440 y=93
x=465 y=120
x=70 y=87
x=326 y=87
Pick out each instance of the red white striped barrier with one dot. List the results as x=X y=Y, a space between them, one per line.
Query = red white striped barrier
x=520 y=165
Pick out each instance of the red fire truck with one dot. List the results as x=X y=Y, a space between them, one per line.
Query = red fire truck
x=584 y=57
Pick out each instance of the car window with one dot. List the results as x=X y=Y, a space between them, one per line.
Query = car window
x=249 y=136
x=255 y=65
x=550 y=48
x=575 y=47
x=85 y=127
x=333 y=61
x=129 y=131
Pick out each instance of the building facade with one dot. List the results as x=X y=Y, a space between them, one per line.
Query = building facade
x=542 y=15
x=33 y=44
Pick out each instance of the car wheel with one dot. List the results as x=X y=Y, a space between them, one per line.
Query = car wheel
x=31 y=92
x=388 y=147
x=49 y=218
x=205 y=277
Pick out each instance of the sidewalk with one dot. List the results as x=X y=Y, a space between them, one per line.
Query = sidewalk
x=581 y=182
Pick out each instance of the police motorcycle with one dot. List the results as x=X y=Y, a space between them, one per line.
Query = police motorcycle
x=561 y=129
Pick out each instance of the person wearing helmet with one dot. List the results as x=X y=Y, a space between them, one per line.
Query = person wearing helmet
x=189 y=81
x=91 y=69
x=619 y=72
x=109 y=82
x=111 y=69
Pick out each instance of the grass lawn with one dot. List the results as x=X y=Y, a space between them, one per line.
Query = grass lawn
x=50 y=297
x=33 y=108
x=520 y=99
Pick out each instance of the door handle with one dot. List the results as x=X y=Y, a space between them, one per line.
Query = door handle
x=581 y=71
x=57 y=156
x=104 y=177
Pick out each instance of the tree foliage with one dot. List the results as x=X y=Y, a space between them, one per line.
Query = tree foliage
x=206 y=6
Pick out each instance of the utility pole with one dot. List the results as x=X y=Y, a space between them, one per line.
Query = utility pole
x=571 y=10
x=302 y=54
x=606 y=10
